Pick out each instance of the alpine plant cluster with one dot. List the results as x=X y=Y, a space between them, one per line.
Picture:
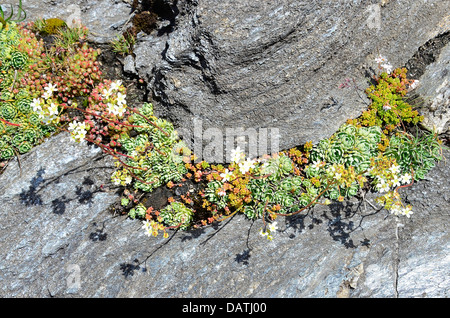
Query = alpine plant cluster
x=59 y=87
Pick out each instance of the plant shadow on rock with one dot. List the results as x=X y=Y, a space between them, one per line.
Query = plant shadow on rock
x=59 y=205
x=341 y=220
x=99 y=234
x=244 y=256
x=31 y=197
x=128 y=269
x=83 y=194
x=341 y=225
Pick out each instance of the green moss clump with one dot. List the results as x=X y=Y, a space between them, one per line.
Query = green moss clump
x=52 y=25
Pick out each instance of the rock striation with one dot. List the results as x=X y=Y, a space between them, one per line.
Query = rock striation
x=279 y=64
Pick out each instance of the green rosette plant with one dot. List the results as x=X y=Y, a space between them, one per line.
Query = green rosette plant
x=177 y=215
x=415 y=154
x=155 y=155
x=350 y=145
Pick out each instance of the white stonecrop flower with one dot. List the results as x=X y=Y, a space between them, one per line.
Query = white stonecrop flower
x=77 y=131
x=146 y=224
x=147 y=227
x=116 y=85
x=117 y=110
x=226 y=175
x=414 y=84
x=406 y=178
x=380 y=59
x=49 y=90
x=395 y=169
x=387 y=67
x=396 y=181
x=121 y=109
x=47 y=120
x=128 y=180
x=53 y=109
x=36 y=105
x=72 y=126
x=121 y=98
x=42 y=114
x=46 y=95
x=396 y=210
x=80 y=135
x=112 y=109
x=273 y=227
x=316 y=164
x=115 y=178
x=331 y=170
x=106 y=93
x=237 y=155
x=382 y=186
x=407 y=211
x=246 y=165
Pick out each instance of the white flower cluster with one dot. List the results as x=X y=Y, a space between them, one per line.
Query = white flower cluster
x=398 y=209
x=49 y=91
x=414 y=84
x=226 y=176
x=383 y=63
x=152 y=227
x=385 y=184
x=116 y=104
x=335 y=171
x=317 y=164
x=122 y=178
x=78 y=131
x=147 y=227
x=269 y=233
x=46 y=107
x=388 y=181
x=238 y=156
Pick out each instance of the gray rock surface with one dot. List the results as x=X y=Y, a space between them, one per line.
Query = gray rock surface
x=279 y=63
x=58 y=239
x=435 y=92
x=104 y=18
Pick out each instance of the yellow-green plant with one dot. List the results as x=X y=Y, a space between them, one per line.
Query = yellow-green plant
x=388 y=108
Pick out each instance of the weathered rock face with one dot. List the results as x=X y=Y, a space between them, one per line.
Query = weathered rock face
x=104 y=18
x=279 y=64
x=435 y=93
x=57 y=239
